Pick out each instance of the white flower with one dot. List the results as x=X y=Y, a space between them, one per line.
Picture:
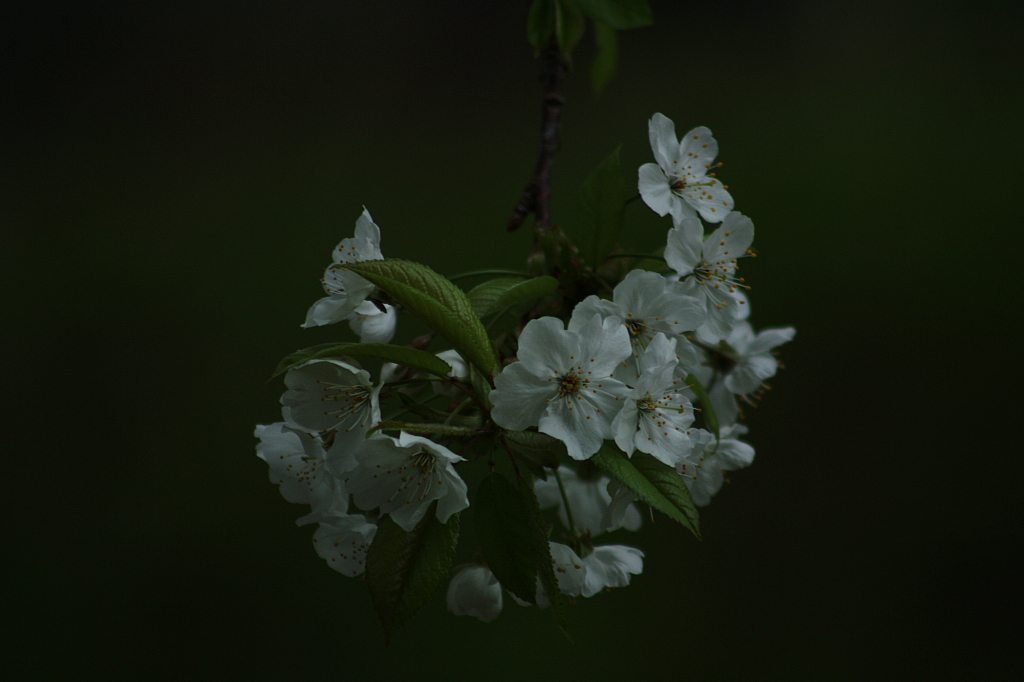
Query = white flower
x=403 y=476
x=474 y=591
x=562 y=383
x=647 y=304
x=610 y=566
x=739 y=365
x=298 y=464
x=326 y=395
x=372 y=325
x=681 y=182
x=656 y=416
x=347 y=290
x=342 y=540
x=702 y=468
x=708 y=267
x=590 y=502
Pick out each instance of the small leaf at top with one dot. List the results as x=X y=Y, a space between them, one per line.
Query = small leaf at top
x=607 y=59
x=497 y=294
x=569 y=25
x=600 y=211
x=620 y=14
x=541 y=24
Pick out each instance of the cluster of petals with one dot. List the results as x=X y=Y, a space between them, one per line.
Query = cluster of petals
x=594 y=510
x=708 y=267
x=563 y=383
x=681 y=182
x=347 y=292
x=702 y=469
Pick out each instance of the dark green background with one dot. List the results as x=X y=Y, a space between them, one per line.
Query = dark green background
x=175 y=176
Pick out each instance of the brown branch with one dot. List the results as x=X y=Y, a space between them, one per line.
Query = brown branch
x=536 y=197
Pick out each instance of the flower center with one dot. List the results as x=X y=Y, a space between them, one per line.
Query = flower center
x=568 y=385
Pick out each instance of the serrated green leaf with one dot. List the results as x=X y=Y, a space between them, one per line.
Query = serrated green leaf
x=569 y=25
x=541 y=24
x=436 y=301
x=606 y=61
x=707 y=410
x=600 y=211
x=505 y=533
x=404 y=570
x=382 y=351
x=620 y=14
x=538 y=451
x=546 y=565
x=654 y=482
x=496 y=295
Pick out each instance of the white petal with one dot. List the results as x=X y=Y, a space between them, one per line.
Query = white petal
x=685 y=246
x=520 y=397
x=662 y=133
x=611 y=566
x=474 y=591
x=343 y=541
x=653 y=187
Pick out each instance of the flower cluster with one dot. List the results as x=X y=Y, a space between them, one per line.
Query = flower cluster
x=590 y=388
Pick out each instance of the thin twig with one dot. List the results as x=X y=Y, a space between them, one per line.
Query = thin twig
x=536 y=197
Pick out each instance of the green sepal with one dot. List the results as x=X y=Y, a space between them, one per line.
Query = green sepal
x=619 y=14
x=404 y=570
x=606 y=61
x=706 y=408
x=600 y=211
x=505 y=533
x=436 y=301
x=401 y=355
x=654 y=482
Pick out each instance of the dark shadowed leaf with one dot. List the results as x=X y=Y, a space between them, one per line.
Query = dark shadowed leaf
x=404 y=570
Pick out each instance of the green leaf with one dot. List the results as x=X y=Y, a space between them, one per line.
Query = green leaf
x=436 y=416
x=606 y=60
x=541 y=24
x=498 y=294
x=546 y=565
x=569 y=25
x=653 y=264
x=654 y=482
x=707 y=410
x=620 y=14
x=536 y=450
x=600 y=211
x=436 y=301
x=382 y=351
x=404 y=570
x=505 y=532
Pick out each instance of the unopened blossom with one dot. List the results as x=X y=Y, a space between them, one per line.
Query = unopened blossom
x=474 y=591
x=589 y=501
x=332 y=395
x=347 y=290
x=610 y=566
x=682 y=181
x=372 y=324
x=647 y=304
x=460 y=371
x=657 y=413
x=403 y=476
x=342 y=541
x=702 y=470
x=298 y=465
x=563 y=382
x=708 y=267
